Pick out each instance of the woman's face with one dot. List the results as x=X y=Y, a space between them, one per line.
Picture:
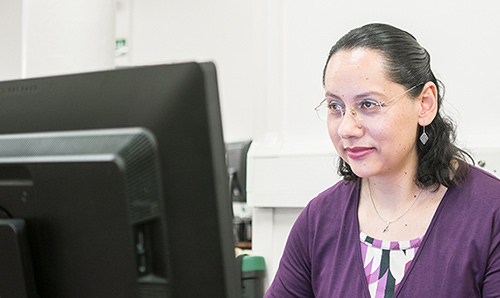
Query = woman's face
x=381 y=144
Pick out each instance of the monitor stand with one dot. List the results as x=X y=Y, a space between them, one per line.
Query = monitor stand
x=16 y=273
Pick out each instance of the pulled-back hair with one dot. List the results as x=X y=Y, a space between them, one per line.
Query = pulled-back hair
x=408 y=64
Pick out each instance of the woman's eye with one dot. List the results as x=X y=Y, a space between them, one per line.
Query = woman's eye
x=369 y=104
x=334 y=106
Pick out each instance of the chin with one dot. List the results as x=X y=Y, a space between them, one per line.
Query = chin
x=362 y=170
x=362 y=174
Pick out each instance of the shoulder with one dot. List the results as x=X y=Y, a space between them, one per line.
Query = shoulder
x=481 y=185
x=330 y=212
x=331 y=207
x=476 y=198
x=478 y=175
x=336 y=197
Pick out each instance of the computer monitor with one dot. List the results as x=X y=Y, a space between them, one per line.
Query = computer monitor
x=114 y=184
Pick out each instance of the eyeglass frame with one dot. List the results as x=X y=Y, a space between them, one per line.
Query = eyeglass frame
x=353 y=112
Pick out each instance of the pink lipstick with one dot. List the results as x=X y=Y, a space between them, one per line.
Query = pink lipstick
x=359 y=152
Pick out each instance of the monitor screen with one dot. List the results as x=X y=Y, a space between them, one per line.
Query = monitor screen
x=114 y=184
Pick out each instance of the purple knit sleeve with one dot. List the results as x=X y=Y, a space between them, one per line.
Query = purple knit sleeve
x=293 y=278
x=491 y=282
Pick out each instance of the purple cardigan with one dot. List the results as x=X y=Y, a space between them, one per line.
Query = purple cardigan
x=459 y=255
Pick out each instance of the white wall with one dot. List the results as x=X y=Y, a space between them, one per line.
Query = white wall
x=224 y=31
x=61 y=37
x=50 y=37
x=10 y=43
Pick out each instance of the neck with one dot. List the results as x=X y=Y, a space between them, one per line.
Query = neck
x=391 y=195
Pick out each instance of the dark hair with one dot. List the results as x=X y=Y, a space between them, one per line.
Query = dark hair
x=408 y=64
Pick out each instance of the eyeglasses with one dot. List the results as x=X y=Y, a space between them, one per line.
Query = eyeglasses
x=365 y=108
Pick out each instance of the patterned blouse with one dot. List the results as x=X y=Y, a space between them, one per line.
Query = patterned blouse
x=385 y=263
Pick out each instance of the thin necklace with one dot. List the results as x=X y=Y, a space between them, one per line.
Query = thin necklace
x=388 y=222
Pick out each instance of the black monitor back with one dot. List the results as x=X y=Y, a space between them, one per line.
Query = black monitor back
x=178 y=104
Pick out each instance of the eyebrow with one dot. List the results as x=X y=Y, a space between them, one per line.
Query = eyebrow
x=359 y=96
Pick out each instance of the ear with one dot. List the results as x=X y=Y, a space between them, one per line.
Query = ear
x=428 y=104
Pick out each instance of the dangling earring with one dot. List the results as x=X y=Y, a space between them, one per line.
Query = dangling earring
x=424 y=137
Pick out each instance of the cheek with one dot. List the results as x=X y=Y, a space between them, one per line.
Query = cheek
x=335 y=138
x=399 y=135
x=333 y=132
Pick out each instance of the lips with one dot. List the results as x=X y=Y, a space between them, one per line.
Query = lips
x=359 y=152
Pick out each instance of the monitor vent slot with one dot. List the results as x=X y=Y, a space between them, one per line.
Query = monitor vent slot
x=18 y=89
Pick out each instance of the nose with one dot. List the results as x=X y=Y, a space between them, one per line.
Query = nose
x=350 y=125
x=352 y=112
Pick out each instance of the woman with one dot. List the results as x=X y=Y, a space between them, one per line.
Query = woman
x=412 y=218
